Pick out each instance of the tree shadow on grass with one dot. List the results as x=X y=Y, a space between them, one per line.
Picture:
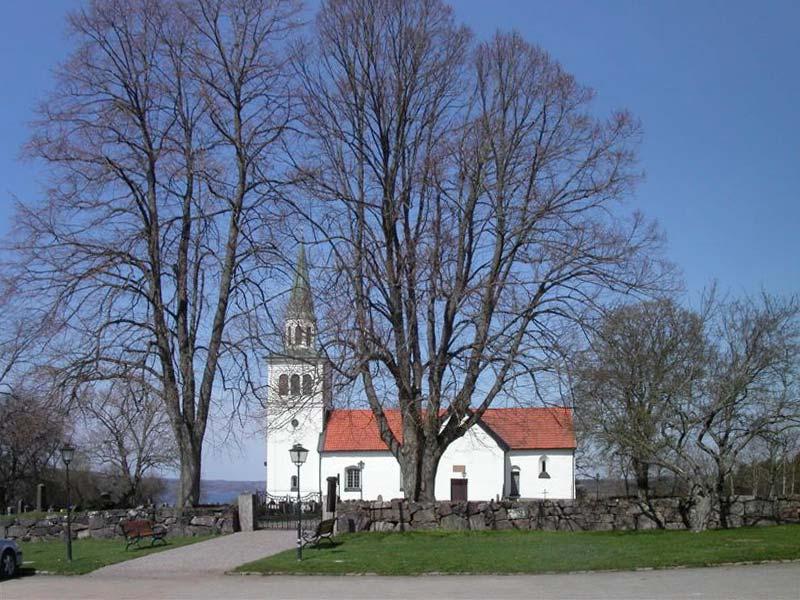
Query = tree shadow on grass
x=327 y=545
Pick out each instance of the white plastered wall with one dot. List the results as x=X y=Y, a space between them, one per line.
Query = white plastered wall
x=560 y=467
x=476 y=451
x=482 y=458
x=380 y=476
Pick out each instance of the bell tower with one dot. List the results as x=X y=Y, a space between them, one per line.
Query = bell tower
x=299 y=393
x=300 y=328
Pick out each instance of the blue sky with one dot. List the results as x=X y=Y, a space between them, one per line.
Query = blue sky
x=716 y=85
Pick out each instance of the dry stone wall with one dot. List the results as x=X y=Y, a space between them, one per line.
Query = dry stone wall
x=105 y=524
x=552 y=515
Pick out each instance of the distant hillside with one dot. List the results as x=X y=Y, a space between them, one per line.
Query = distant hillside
x=213 y=491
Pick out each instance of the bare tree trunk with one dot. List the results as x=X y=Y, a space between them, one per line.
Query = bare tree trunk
x=428 y=468
x=642 y=471
x=783 y=475
x=700 y=510
x=723 y=500
x=189 y=483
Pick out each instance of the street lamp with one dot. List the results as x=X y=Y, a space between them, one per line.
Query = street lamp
x=67 y=454
x=361 y=478
x=299 y=454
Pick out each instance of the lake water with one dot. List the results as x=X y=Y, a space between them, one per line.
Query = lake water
x=214 y=491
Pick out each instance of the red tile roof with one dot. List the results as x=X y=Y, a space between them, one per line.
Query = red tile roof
x=349 y=430
x=532 y=428
x=519 y=428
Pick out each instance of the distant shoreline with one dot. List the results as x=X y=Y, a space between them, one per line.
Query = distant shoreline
x=212 y=491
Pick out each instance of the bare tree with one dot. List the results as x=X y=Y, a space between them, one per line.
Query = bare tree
x=747 y=391
x=17 y=337
x=640 y=358
x=752 y=383
x=464 y=194
x=31 y=432
x=128 y=436
x=155 y=239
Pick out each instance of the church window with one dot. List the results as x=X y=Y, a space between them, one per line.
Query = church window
x=308 y=385
x=294 y=483
x=283 y=384
x=514 y=482
x=295 y=385
x=543 y=474
x=298 y=335
x=352 y=479
x=308 y=336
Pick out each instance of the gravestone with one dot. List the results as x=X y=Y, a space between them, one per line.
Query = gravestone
x=40 y=498
x=19 y=507
x=247 y=512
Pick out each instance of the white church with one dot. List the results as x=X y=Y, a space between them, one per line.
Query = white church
x=524 y=453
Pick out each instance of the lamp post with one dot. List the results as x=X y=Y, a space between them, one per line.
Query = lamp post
x=67 y=454
x=299 y=454
x=361 y=479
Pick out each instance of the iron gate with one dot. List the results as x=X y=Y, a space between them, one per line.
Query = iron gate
x=280 y=512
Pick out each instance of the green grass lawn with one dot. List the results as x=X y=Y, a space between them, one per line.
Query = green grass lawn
x=89 y=554
x=533 y=551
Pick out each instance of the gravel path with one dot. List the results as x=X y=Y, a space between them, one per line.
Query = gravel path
x=756 y=581
x=212 y=557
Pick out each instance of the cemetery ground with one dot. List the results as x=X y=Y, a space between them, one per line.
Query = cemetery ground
x=531 y=552
x=90 y=554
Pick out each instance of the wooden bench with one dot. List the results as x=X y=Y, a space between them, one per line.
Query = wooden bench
x=136 y=531
x=323 y=531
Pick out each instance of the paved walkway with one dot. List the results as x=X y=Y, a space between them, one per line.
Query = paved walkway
x=212 y=557
x=776 y=581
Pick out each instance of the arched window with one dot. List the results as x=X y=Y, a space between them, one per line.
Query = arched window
x=294 y=483
x=283 y=384
x=308 y=385
x=308 y=336
x=514 y=482
x=289 y=335
x=295 y=385
x=543 y=474
x=298 y=335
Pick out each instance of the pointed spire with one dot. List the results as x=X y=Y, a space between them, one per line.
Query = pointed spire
x=301 y=302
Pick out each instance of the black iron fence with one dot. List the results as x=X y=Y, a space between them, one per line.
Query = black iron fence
x=280 y=512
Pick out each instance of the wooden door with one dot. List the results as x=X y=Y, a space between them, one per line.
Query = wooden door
x=458 y=489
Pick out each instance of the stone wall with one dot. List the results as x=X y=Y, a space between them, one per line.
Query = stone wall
x=552 y=515
x=105 y=524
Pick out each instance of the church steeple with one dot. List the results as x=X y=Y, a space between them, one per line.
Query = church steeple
x=301 y=324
